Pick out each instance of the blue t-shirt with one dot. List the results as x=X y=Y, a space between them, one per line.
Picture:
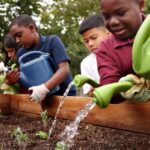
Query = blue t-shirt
x=55 y=47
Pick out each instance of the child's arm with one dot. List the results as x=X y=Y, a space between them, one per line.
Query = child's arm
x=61 y=59
x=39 y=92
x=111 y=66
x=59 y=76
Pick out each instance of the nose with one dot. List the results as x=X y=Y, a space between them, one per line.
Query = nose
x=17 y=40
x=90 y=43
x=9 y=55
x=113 y=21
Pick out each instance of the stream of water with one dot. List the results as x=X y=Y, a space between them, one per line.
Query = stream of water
x=58 y=109
x=71 y=130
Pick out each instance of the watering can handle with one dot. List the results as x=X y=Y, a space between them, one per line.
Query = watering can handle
x=140 y=50
x=31 y=54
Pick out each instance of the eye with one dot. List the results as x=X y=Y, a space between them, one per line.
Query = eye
x=86 y=41
x=120 y=12
x=106 y=16
x=94 y=37
x=18 y=35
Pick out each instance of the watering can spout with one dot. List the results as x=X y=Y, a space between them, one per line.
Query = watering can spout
x=80 y=80
x=102 y=95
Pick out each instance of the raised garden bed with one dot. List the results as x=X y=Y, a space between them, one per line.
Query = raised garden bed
x=101 y=129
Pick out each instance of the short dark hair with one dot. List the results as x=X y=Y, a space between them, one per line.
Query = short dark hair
x=9 y=42
x=23 y=20
x=90 y=22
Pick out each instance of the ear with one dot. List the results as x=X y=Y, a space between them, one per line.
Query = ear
x=141 y=6
x=32 y=27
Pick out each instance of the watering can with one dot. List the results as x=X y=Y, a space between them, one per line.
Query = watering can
x=80 y=80
x=141 y=50
x=36 y=67
x=102 y=95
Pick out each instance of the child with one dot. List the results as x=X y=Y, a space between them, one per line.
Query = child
x=93 y=32
x=11 y=49
x=123 y=19
x=24 y=30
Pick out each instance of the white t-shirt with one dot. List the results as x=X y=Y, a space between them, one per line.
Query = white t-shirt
x=89 y=68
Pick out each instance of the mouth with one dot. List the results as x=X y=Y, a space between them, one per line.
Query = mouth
x=120 y=32
x=21 y=45
x=94 y=49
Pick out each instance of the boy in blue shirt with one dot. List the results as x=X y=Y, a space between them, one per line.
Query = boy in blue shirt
x=24 y=30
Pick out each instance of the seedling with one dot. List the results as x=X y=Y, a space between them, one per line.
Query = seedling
x=20 y=137
x=44 y=117
x=41 y=135
x=61 y=146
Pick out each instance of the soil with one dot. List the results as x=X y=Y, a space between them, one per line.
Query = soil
x=90 y=137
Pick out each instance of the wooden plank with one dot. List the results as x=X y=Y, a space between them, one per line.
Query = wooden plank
x=134 y=117
x=30 y=115
x=21 y=102
x=4 y=104
x=127 y=116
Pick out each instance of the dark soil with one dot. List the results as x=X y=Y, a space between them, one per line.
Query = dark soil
x=90 y=137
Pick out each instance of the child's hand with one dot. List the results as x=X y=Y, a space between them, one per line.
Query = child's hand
x=131 y=78
x=90 y=94
x=38 y=92
x=12 y=76
x=139 y=92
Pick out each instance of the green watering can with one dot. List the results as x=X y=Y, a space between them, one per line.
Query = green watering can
x=80 y=80
x=102 y=95
x=141 y=50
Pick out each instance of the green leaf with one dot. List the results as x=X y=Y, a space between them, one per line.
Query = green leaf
x=42 y=135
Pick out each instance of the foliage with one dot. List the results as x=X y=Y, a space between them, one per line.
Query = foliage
x=61 y=146
x=20 y=137
x=147 y=6
x=41 y=135
x=62 y=17
x=5 y=88
x=44 y=117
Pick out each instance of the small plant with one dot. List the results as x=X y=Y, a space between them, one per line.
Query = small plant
x=44 y=117
x=4 y=87
x=20 y=137
x=61 y=146
x=41 y=135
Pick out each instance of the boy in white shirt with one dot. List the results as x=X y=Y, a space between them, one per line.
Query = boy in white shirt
x=93 y=32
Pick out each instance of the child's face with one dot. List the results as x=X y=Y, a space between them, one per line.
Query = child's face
x=25 y=36
x=11 y=53
x=93 y=37
x=123 y=17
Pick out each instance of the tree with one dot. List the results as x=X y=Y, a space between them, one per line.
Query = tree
x=63 y=18
x=10 y=8
x=147 y=6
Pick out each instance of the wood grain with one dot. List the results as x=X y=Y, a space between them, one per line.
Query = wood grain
x=126 y=116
